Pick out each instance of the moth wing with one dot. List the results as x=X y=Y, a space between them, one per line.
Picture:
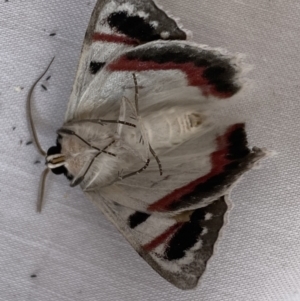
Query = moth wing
x=194 y=174
x=177 y=248
x=117 y=26
x=175 y=75
x=168 y=72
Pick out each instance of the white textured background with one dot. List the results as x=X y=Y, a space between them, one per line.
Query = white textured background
x=77 y=254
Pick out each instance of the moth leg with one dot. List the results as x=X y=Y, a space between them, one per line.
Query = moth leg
x=144 y=136
x=136 y=95
x=101 y=122
x=143 y=130
x=135 y=172
x=156 y=158
x=122 y=114
x=79 y=179
x=133 y=151
x=131 y=107
x=72 y=133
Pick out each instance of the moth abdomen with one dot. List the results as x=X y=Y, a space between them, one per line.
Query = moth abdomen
x=173 y=126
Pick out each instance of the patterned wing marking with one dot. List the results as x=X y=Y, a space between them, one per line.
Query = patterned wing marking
x=168 y=74
x=214 y=73
x=178 y=247
x=116 y=27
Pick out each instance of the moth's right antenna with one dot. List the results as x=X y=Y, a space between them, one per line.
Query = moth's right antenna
x=36 y=140
x=29 y=112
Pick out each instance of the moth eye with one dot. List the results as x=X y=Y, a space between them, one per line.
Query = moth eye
x=54 y=150
x=60 y=170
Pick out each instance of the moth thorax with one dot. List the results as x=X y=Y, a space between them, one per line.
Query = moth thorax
x=55 y=161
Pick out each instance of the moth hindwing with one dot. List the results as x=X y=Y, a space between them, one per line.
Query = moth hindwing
x=144 y=138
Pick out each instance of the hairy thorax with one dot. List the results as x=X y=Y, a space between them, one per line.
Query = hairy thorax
x=104 y=153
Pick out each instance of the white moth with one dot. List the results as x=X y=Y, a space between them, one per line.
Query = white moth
x=144 y=138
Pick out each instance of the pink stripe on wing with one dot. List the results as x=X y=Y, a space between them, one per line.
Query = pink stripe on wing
x=161 y=238
x=103 y=37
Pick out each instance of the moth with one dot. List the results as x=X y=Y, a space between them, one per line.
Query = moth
x=145 y=137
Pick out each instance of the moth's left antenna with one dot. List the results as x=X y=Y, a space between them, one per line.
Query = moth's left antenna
x=36 y=140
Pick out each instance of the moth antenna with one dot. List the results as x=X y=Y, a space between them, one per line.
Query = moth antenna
x=36 y=140
x=29 y=113
x=39 y=203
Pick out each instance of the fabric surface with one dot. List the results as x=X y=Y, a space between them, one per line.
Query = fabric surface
x=70 y=251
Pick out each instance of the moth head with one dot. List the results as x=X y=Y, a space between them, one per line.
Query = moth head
x=55 y=160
